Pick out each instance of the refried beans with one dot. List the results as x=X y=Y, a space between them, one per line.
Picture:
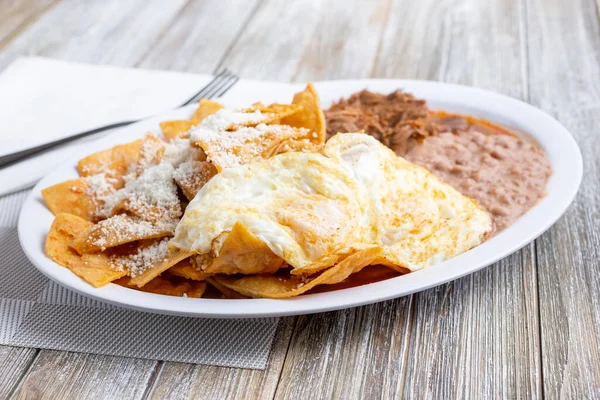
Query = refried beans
x=505 y=174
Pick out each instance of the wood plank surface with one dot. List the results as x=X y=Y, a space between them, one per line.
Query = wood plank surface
x=344 y=41
x=468 y=327
x=274 y=19
x=305 y=39
x=564 y=81
x=350 y=354
x=444 y=329
x=200 y=36
x=17 y=15
x=14 y=362
x=112 y=33
x=187 y=381
x=66 y=375
x=487 y=335
x=103 y=32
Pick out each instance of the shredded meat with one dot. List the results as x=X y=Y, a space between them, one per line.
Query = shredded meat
x=398 y=120
x=503 y=173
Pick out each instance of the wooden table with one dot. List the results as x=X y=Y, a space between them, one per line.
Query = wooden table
x=528 y=326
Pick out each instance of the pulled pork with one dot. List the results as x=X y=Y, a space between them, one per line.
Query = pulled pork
x=398 y=120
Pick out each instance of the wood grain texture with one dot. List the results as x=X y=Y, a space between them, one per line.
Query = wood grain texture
x=103 y=32
x=115 y=32
x=112 y=32
x=344 y=41
x=186 y=381
x=453 y=339
x=352 y=354
x=305 y=39
x=564 y=81
x=66 y=375
x=16 y=15
x=464 y=331
x=484 y=336
x=416 y=40
x=278 y=20
x=199 y=37
x=14 y=362
x=477 y=337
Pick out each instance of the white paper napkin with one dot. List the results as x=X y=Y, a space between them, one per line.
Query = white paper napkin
x=42 y=100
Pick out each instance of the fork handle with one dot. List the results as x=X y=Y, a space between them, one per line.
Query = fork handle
x=20 y=155
x=220 y=84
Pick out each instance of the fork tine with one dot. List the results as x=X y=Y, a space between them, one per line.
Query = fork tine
x=208 y=86
x=224 y=74
x=225 y=89
x=217 y=87
x=220 y=84
x=224 y=83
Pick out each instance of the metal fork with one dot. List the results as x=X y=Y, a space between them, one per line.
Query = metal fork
x=217 y=87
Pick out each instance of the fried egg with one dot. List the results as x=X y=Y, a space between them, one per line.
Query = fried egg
x=308 y=209
x=313 y=210
x=419 y=220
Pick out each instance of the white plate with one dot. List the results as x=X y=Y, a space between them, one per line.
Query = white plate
x=35 y=219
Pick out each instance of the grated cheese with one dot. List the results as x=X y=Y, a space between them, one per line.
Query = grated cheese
x=232 y=148
x=143 y=258
x=178 y=151
x=201 y=261
x=123 y=228
x=153 y=191
x=150 y=151
x=227 y=118
x=101 y=188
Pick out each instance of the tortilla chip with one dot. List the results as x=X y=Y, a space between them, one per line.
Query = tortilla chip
x=174 y=129
x=311 y=116
x=300 y=145
x=197 y=290
x=186 y=269
x=231 y=149
x=116 y=160
x=93 y=268
x=225 y=291
x=172 y=257
x=205 y=108
x=118 y=230
x=367 y=275
x=97 y=269
x=70 y=197
x=192 y=176
x=151 y=151
x=65 y=230
x=170 y=286
x=275 y=287
x=273 y=112
x=244 y=253
x=179 y=287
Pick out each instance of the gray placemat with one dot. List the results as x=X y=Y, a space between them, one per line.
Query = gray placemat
x=36 y=312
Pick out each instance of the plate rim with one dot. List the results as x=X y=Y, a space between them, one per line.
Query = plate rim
x=438 y=274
